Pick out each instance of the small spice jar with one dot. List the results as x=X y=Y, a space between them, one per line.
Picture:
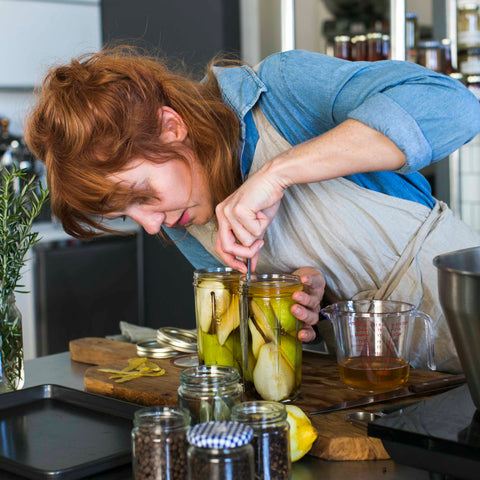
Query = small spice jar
x=271 y=443
x=220 y=451
x=218 y=316
x=159 y=443
x=209 y=392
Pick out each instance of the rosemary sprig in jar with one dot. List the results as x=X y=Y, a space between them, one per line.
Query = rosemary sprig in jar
x=18 y=209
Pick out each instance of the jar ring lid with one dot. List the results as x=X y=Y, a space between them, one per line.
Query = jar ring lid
x=177 y=338
x=155 y=350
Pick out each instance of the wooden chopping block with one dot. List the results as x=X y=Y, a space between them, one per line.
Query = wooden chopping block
x=321 y=387
x=100 y=351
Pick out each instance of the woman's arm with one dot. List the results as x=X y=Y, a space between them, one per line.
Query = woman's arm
x=349 y=148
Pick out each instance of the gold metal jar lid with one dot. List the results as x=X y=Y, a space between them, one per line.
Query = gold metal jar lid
x=178 y=338
x=154 y=349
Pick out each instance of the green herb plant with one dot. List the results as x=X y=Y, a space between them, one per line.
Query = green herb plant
x=21 y=200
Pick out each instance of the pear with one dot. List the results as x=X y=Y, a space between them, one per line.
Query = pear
x=203 y=302
x=264 y=318
x=292 y=351
x=229 y=321
x=210 y=347
x=257 y=339
x=273 y=377
x=281 y=307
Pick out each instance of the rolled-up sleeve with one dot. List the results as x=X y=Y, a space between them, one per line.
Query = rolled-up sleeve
x=427 y=115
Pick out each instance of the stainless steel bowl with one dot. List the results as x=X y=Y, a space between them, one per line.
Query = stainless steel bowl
x=459 y=290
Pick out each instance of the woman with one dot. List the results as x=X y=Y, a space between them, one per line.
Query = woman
x=306 y=161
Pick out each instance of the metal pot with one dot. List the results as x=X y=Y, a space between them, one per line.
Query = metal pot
x=459 y=290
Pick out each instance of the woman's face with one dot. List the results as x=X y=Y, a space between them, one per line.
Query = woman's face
x=181 y=192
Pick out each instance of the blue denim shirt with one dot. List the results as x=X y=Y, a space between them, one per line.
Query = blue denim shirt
x=305 y=94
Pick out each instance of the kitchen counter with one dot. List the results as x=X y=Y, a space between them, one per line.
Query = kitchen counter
x=60 y=369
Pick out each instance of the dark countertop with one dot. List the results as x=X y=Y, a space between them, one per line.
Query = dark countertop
x=61 y=370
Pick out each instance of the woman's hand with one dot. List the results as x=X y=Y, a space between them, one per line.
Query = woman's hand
x=308 y=307
x=244 y=216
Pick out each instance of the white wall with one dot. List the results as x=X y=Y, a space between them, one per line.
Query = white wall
x=36 y=34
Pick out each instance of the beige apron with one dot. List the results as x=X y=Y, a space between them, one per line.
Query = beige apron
x=367 y=244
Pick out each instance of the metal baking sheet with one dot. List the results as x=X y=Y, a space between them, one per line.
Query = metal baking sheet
x=56 y=432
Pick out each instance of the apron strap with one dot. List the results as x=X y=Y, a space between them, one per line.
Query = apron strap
x=437 y=213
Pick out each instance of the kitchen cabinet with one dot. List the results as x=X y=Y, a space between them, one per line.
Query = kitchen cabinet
x=37 y=33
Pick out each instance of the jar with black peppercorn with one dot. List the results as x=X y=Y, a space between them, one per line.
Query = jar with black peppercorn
x=209 y=392
x=159 y=443
x=220 y=451
x=271 y=443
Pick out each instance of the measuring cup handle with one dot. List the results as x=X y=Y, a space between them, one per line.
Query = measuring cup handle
x=430 y=339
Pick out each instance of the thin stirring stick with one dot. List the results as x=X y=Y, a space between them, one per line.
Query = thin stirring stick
x=249 y=270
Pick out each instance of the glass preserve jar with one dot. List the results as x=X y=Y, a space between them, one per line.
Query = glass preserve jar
x=272 y=353
x=209 y=392
x=468 y=24
x=218 y=316
x=430 y=55
x=342 y=47
x=159 y=443
x=271 y=443
x=12 y=374
x=220 y=451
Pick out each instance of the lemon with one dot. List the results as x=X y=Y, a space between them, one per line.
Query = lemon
x=302 y=433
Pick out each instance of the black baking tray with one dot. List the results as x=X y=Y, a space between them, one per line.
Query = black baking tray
x=54 y=432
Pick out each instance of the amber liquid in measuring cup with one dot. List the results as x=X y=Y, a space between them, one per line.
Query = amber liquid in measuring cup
x=374 y=373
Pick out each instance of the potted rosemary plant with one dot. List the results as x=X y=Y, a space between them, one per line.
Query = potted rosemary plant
x=21 y=200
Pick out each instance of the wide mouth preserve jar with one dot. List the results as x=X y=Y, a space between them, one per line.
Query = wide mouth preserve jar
x=217 y=314
x=271 y=350
x=209 y=392
x=271 y=441
x=159 y=443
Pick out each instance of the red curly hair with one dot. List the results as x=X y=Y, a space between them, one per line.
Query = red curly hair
x=95 y=114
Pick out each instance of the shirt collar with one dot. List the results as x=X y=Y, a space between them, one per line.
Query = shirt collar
x=241 y=87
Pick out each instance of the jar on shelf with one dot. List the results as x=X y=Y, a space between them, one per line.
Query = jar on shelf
x=218 y=316
x=468 y=24
x=446 y=46
x=159 y=443
x=472 y=82
x=220 y=451
x=430 y=55
x=459 y=76
x=359 y=48
x=271 y=443
x=272 y=352
x=411 y=36
x=342 y=47
x=375 y=47
x=469 y=61
x=209 y=392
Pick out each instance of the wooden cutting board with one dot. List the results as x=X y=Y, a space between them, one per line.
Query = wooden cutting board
x=321 y=386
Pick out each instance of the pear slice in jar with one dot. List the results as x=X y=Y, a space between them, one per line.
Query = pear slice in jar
x=204 y=302
x=273 y=377
x=229 y=321
x=263 y=318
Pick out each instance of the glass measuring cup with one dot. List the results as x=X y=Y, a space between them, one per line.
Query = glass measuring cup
x=373 y=342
